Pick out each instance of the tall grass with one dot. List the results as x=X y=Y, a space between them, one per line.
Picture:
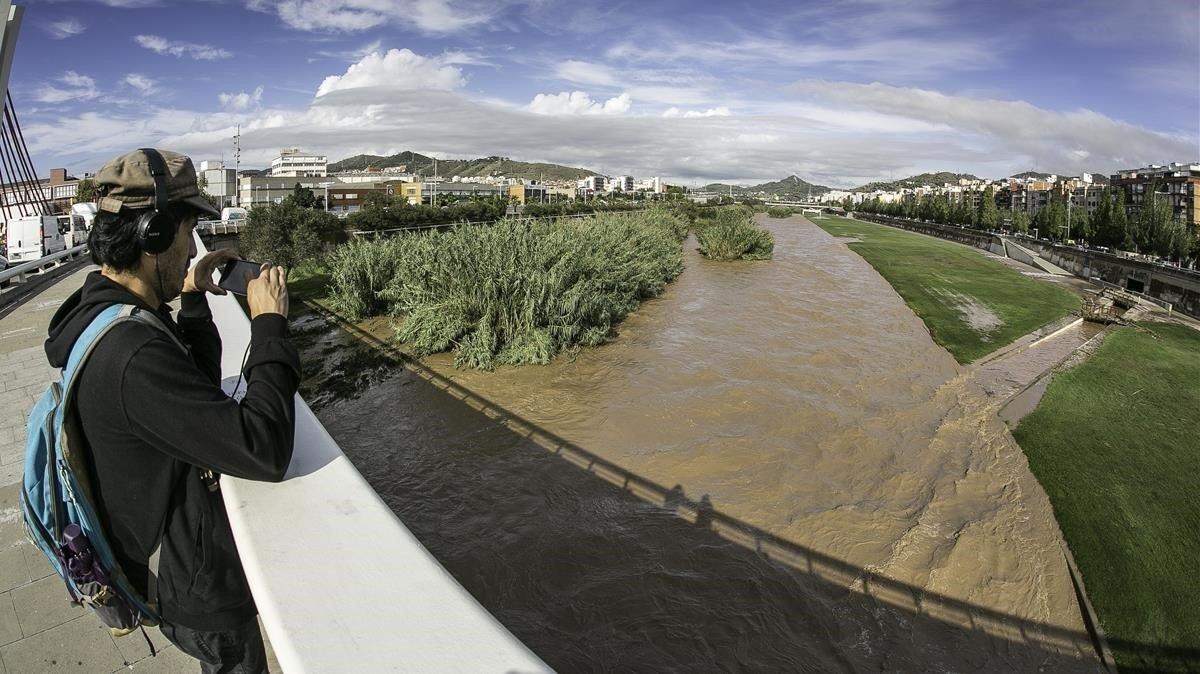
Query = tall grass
x=359 y=271
x=779 y=211
x=516 y=292
x=730 y=234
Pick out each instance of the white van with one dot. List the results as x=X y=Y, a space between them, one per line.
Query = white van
x=32 y=237
x=233 y=215
x=82 y=215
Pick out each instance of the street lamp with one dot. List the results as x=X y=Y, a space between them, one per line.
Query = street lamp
x=326 y=186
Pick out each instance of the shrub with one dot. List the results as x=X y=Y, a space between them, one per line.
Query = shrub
x=516 y=292
x=288 y=235
x=779 y=211
x=730 y=234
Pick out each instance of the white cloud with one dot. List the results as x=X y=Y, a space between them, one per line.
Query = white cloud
x=242 y=101
x=719 y=111
x=581 y=72
x=435 y=17
x=579 y=103
x=143 y=84
x=197 y=52
x=76 y=88
x=60 y=30
x=397 y=69
x=1069 y=142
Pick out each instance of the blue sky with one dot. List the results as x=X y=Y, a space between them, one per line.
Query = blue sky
x=837 y=92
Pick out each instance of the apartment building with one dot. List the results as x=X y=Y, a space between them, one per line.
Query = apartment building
x=1179 y=183
x=294 y=163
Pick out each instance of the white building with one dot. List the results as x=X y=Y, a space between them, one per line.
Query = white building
x=621 y=184
x=221 y=182
x=654 y=184
x=292 y=163
x=593 y=183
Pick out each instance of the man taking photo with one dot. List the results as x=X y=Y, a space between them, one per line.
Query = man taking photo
x=160 y=428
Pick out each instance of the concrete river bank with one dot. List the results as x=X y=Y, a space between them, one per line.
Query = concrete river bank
x=771 y=467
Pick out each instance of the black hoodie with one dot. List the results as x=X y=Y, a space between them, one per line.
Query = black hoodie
x=157 y=421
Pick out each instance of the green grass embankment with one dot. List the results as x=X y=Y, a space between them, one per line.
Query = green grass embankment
x=1115 y=442
x=970 y=304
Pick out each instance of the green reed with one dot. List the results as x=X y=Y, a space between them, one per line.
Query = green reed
x=515 y=292
x=730 y=234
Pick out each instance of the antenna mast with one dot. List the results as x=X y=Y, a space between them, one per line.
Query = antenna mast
x=237 y=165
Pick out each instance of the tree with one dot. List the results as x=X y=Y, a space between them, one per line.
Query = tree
x=987 y=215
x=302 y=196
x=287 y=234
x=1122 y=238
x=961 y=213
x=941 y=209
x=202 y=185
x=1101 y=221
x=1151 y=230
x=85 y=191
x=1081 y=228
x=1020 y=221
x=1051 y=220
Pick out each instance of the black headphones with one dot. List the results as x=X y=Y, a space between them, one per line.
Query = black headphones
x=156 y=229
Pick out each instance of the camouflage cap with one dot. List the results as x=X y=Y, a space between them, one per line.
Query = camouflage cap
x=126 y=182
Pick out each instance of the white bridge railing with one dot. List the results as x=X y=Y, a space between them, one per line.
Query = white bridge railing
x=340 y=582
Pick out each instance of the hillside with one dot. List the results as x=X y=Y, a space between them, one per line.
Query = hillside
x=922 y=180
x=411 y=162
x=791 y=186
x=1032 y=174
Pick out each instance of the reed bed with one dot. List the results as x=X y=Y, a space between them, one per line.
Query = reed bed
x=730 y=234
x=516 y=292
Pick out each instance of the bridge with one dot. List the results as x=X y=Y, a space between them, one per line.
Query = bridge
x=398 y=609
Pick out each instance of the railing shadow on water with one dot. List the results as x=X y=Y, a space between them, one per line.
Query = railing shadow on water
x=922 y=610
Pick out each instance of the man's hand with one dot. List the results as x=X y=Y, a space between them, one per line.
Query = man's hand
x=268 y=293
x=199 y=277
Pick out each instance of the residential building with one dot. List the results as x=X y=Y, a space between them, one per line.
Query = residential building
x=528 y=192
x=621 y=184
x=1177 y=182
x=58 y=190
x=293 y=163
x=594 y=184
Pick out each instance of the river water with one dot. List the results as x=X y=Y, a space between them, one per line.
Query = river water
x=771 y=467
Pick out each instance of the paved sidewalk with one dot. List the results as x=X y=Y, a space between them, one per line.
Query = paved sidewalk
x=40 y=631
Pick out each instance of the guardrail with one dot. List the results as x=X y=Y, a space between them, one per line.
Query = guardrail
x=341 y=584
x=18 y=273
x=206 y=227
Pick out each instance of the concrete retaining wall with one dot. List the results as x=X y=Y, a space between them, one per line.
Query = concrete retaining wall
x=1179 y=287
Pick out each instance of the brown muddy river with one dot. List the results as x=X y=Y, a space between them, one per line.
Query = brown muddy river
x=771 y=468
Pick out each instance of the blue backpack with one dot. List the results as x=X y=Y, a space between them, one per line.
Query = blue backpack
x=56 y=499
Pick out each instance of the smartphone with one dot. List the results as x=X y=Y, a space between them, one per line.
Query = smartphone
x=236 y=274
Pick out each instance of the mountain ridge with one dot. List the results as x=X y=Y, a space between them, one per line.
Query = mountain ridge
x=412 y=162
x=791 y=186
